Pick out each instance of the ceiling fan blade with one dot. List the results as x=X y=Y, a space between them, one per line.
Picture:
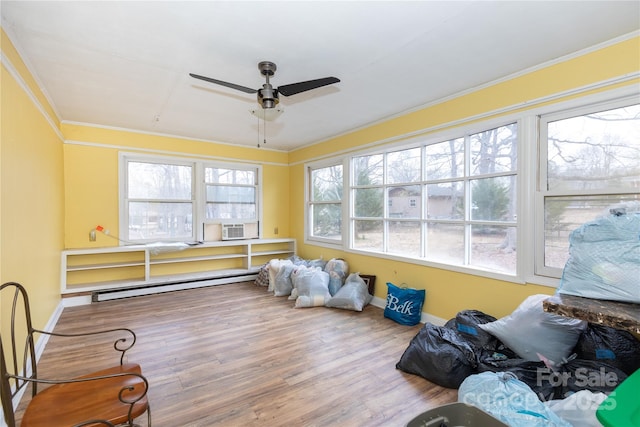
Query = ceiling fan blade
x=220 y=82
x=294 y=88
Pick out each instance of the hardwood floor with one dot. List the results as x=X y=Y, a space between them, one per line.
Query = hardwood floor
x=235 y=355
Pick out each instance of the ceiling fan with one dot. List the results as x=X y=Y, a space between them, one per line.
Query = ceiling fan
x=268 y=95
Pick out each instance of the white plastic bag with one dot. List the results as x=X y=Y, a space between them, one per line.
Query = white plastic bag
x=510 y=400
x=531 y=332
x=579 y=409
x=311 y=286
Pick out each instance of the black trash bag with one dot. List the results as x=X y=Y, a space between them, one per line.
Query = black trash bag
x=440 y=355
x=612 y=346
x=466 y=323
x=533 y=374
x=592 y=375
x=451 y=323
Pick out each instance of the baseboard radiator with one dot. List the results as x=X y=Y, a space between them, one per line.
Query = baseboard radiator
x=157 y=288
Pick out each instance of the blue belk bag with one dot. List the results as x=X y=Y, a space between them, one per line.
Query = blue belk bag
x=404 y=305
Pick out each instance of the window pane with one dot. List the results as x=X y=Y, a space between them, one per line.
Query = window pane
x=230 y=176
x=494 y=150
x=231 y=194
x=404 y=238
x=491 y=199
x=595 y=151
x=327 y=220
x=368 y=235
x=326 y=184
x=239 y=211
x=403 y=166
x=150 y=220
x=445 y=159
x=493 y=248
x=231 y=202
x=158 y=181
x=445 y=243
x=562 y=215
x=404 y=202
x=368 y=202
x=368 y=170
x=445 y=200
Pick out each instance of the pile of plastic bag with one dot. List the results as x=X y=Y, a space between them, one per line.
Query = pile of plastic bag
x=315 y=283
x=553 y=355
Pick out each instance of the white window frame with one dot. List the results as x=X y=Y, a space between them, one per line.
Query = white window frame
x=539 y=267
x=529 y=232
x=198 y=191
x=461 y=132
x=308 y=220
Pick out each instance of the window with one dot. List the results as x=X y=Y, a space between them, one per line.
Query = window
x=230 y=194
x=325 y=203
x=451 y=202
x=590 y=163
x=170 y=199
x=159 y=201
x=501 y=199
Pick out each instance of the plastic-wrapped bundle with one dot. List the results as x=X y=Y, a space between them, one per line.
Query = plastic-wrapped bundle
x=311 y=285
x=283 y=284
x=510 y=400
x=338 y=270
x=354 y=295
x=604 y=261
x=274 y=267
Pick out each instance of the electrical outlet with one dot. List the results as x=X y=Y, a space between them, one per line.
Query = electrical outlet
x=275 y=230
x=92 y=236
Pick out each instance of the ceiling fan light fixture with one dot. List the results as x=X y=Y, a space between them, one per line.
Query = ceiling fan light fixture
x=267 y=114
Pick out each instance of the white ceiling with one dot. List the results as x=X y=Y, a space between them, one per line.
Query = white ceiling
x=125 y=64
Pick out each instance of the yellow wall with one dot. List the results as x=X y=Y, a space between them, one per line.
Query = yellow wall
x=31 y=191
x=54 y=193
x=449 y=292
x=91 y=177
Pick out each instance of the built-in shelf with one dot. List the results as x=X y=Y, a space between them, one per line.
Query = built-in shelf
x=135 y=266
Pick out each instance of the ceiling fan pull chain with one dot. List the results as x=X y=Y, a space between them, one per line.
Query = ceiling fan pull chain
x=258 y=131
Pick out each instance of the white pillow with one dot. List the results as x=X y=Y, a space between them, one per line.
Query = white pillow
x=353 y=295
x=531 y=332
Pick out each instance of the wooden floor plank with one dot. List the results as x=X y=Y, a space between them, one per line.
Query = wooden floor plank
x=235 y=355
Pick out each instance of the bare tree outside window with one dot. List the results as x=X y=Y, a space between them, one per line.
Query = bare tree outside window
x=592 y=164
x=452 y=201
x=160 y=204
x=326 y=202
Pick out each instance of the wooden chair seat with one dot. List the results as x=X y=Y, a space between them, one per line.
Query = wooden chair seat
x=114 y=396
x=91 y=400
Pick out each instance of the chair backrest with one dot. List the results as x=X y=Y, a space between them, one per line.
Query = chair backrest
x=17 y=348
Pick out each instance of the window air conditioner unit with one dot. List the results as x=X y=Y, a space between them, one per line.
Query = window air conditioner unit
x=233 y=231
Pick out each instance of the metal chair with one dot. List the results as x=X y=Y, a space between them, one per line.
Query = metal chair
x=108 y=397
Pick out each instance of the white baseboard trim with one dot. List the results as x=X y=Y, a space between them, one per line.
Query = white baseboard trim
x=170 y=287
x=424 y=318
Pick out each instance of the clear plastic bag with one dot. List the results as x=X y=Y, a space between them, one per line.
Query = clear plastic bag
x=604 y=261
x=510 y=400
